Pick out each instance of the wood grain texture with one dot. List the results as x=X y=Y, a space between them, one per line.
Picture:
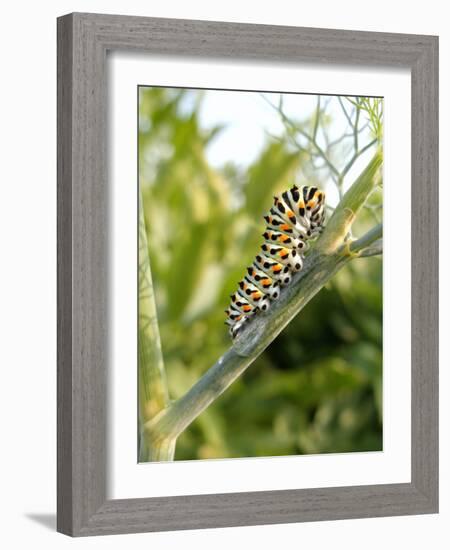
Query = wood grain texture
x=83 y=206
x=64 y=253
x=82 y=275
x=425 y=272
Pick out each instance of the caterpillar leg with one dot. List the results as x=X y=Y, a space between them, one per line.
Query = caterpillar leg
x=235 y=327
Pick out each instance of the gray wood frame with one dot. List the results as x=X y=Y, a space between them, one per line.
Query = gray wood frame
x=83 y=41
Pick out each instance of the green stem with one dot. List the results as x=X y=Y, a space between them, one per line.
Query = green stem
x=344 y=215
x=375 y=249
x=162 y=450
x=324 y=261
x=317 y=271
x=372 y=236
x=153 y=393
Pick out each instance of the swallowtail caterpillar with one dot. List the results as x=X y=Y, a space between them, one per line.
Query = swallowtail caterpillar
x=296 y=217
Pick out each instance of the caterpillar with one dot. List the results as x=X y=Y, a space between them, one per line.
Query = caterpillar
x=296 y=216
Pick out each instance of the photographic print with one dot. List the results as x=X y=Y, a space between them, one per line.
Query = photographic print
x=260 y=274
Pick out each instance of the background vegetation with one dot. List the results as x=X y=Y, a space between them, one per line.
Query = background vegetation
x=318 y=387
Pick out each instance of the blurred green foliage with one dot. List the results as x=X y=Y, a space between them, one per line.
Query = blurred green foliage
x=318 y=387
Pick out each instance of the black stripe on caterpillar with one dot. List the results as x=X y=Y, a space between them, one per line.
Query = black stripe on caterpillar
x=296 y=216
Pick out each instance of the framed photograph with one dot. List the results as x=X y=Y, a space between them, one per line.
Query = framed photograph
x=247 y=274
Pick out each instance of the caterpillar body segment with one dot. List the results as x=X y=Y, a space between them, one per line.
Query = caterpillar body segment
x=286 y=256
x=241 y=304
x=253 y=295
x=296 y=217
x=283 y=239
x=271 y=267
x=263 y=281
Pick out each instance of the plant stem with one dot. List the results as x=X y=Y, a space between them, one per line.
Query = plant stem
x=344 y=215
x=324 y=261
x=375 y=234
x=375 y=249
x=153 y=393
x=161 y=451
x=317 y=271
